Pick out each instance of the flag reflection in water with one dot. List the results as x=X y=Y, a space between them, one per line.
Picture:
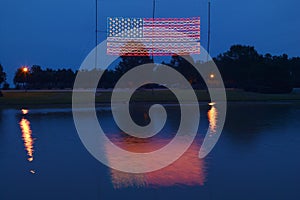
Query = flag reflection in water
x=187 y=170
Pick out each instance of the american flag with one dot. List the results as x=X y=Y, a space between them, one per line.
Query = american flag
x=157 y=37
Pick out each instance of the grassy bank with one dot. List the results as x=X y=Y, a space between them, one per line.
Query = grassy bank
x=50 y=98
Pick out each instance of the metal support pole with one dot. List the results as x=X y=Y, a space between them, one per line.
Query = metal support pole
x=96 y=34
x=208 y=34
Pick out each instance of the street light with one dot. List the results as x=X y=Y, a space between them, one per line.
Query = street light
x=25 y=69
x=212 y=76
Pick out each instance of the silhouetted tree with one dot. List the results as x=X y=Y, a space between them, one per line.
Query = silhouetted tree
x=295 y=70
x=2 y=78
x=238 y=65
x=2 y=75
x=5 y=86
x=109 y=79
x=277 y=74
x=21 y=78
x=187 y=69
x=37 y=78
x=243 y=67
x=64 y=78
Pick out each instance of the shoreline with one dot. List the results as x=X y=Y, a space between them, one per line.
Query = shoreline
x=63 y=98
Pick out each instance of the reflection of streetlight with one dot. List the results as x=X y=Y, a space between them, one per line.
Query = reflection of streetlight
x=25 y=111
x=212 y=104
x=212 y=115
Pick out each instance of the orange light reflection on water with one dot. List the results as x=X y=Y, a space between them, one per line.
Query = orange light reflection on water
x=25 y=111
x=27 y=138
x=212 y=115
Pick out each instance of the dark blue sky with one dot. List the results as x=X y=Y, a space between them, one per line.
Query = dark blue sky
x=60 y=33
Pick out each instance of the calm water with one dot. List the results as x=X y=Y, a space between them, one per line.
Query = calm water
x=257 y=156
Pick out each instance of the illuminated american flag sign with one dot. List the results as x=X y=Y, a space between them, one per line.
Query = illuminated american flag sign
x=157 y=37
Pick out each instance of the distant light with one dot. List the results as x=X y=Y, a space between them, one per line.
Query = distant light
x=212 y=104
x=212 y=76
x=25 y=69
x=25 y=111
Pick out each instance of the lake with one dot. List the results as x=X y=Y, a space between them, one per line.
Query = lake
x=257 y=156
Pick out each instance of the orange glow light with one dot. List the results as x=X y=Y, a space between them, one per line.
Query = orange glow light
x=212 y=104
x=25 y=111
x=212 y=76
x=25 y=69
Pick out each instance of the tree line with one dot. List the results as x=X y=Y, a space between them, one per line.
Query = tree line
x=241 y=67
x=37 y=78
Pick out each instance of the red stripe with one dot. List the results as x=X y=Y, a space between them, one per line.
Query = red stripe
x=172 y=19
